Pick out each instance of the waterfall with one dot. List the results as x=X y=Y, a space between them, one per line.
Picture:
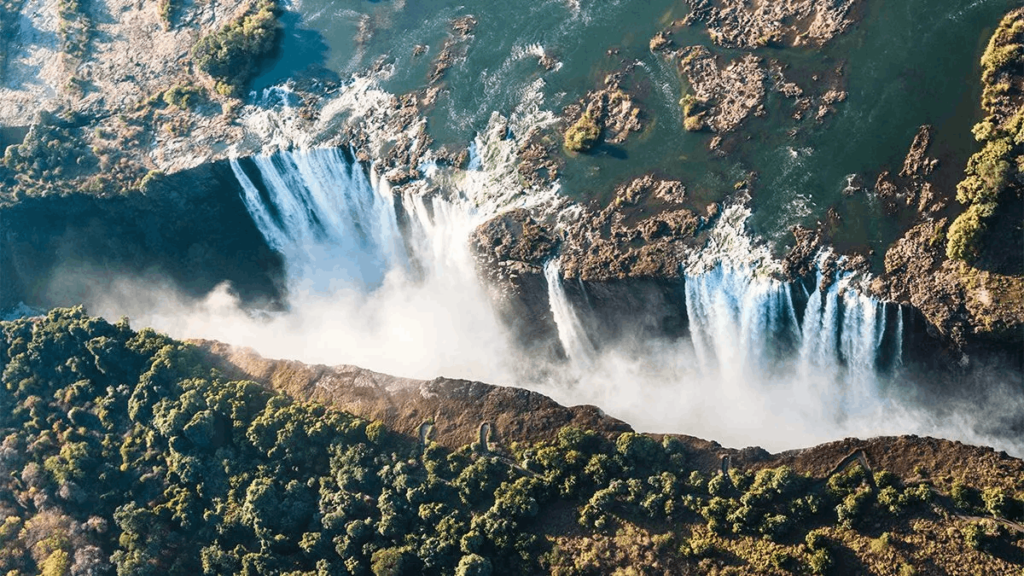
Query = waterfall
x=738 y=324
x=337 y=225
x=388 y=281
x=571 y=331
x=322 y=212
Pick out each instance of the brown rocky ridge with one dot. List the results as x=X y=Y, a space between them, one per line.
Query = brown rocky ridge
x=455 y=410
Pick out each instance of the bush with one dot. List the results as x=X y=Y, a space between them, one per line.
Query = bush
x=583 y=135
x=232 y=54
x=963 y=241
x=391 y=562
x=693 y=123
x=988 y=173
x=973 y=535
x=183 y=96
x=473 y=565
x=820 y=561
x=816 y=540
x=995 y=501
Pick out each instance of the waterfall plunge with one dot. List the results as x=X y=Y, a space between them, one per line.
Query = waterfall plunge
x=380 y=281
x=389 y=283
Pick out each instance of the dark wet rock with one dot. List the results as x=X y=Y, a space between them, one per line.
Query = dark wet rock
x=611 y=109
x=826 y=103
x=917 y=164
x=821 y=99
x=538 y=164
x=454 y=48
x=799 y=261
x=511 y=245
x=642 y=233
x=660 y=41
x=547 y=62
x=722 y=97
x=910 y=188
x=510 y=253
x=742 y=24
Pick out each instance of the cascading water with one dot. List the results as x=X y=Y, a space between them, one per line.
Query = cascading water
x=738 y=324
x=388 y=282
x=334 y=223
x=325 y=216
x=571 y=331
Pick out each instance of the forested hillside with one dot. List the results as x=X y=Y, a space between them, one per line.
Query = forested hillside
x=123 y=453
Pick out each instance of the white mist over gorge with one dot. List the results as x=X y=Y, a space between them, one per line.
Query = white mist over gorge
x=388 y=282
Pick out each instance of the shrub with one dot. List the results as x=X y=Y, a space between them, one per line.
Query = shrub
x=816 y=540
x=820 y=561
x=637 y=449
x=232 y=54
x=391 y=562
x=693 y=123
x=995 y=501
x=183 y=96
x=697 y=546
x=853 y=507
x=973 y=535
x=473 y=565
x=583 y=135
x=375 y=432
x=988 y=173
x=963 y=241
x=882 y=544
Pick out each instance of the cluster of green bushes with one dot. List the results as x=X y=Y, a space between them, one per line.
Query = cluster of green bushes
x=74 y=27
x=122 y=452
x=183 y=96
x=232 y=55
x=693 y=117
x=584 y=134
x=53 y=148
x=992 y=170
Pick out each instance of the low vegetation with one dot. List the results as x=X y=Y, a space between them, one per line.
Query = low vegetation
x=995 y=171
x=583 y=135
x=233 y=54
x=183 y=96
x=693 y=118
x=122 y=452
x=54 y=148
x=75 y=28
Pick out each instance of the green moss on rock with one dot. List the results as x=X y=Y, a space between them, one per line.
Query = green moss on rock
x=583 y=135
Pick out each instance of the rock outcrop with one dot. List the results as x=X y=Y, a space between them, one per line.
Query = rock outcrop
x=966 y=276
x=455 y=408
x=722 y=97
x=644 y=232
x=742 y=24
x=609 y=109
